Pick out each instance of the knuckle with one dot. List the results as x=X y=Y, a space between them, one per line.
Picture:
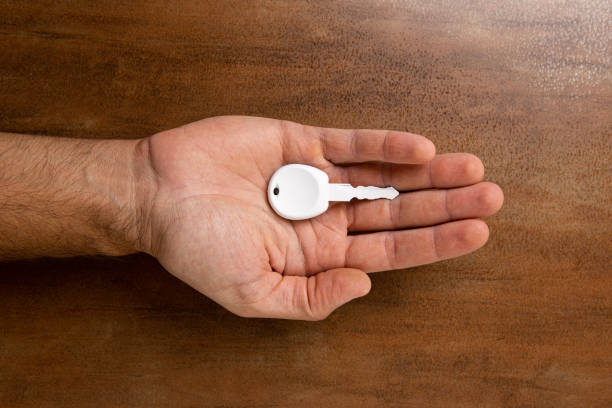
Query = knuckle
x=248 y=292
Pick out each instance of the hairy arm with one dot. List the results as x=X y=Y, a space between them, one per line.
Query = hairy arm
x=64 y=197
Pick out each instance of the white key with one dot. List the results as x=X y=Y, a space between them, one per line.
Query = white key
x=299 y=192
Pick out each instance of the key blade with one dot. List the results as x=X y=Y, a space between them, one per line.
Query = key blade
x=340 y=192
x=345 y=192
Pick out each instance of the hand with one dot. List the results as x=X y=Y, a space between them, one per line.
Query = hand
x=209 y=222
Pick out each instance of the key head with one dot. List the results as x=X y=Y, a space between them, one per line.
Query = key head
x=299 y=192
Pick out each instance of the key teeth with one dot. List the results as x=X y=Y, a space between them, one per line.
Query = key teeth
x=394 y=193
x=375 y=193
x=346 y=192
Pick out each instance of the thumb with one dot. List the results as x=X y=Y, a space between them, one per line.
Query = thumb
x=313 y=297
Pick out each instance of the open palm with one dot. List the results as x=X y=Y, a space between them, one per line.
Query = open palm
x=209 y=222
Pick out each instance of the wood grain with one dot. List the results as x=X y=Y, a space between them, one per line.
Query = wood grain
x=527 y=86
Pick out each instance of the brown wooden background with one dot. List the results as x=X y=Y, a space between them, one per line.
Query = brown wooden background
x=524 y=322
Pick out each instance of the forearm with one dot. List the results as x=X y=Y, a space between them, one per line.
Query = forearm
x=65 y=197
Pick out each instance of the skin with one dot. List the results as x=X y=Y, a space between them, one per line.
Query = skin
x=196 y=200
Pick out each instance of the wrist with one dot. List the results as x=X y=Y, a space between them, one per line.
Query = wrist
x=111 y=199
x=122 y=174
x=143 y=179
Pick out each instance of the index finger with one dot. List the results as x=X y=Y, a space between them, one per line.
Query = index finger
x=363 y=145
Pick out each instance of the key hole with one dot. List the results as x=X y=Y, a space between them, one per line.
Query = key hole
x=276 y=191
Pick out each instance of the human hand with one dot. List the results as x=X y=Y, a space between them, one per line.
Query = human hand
x=209 y=223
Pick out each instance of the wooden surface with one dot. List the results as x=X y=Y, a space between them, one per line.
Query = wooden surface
x=524 y=322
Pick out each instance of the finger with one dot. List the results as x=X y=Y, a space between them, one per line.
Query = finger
x=388 y=250
x=427 y=207
x=444 y=171
x=311 y=298
x=362 y=145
